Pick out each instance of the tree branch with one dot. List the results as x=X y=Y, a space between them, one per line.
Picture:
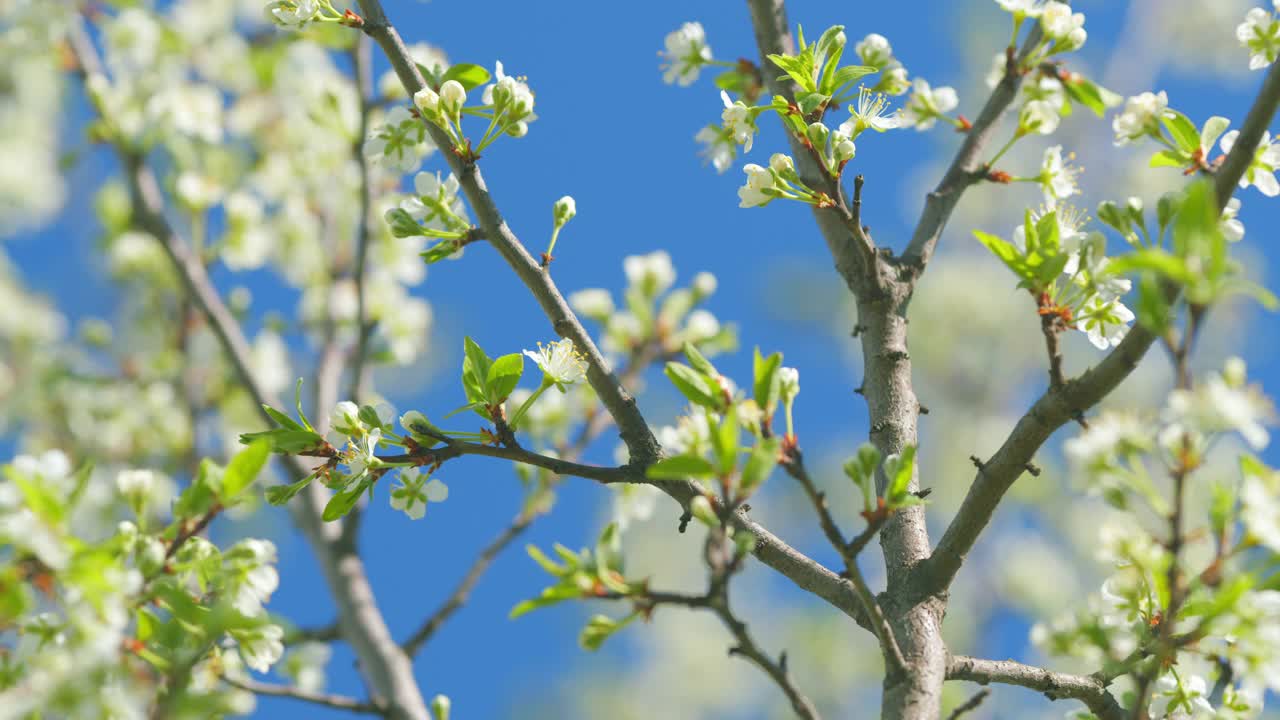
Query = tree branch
x=1088 y=689
x=336 y=702
x=462 y=592
x=967 y=168
x=853 y=251
x=387 y=669
x=1057 y=407
x=635 y=432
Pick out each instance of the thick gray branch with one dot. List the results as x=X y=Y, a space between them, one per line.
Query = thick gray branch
x=1058 y=406
x=1088 y=689
x=388 y=670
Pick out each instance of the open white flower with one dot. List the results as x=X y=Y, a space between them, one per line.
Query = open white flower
x=737 y=119
x=1057 y=176
x=1140 y=117
x=345 y=418
x=1038 y=116
x=753 y=194
x=294 y=13
x=1023 y=8
x=1230 y=222
x=1220 y=404
x=415 y=491
x=686 y=51
x=1260 y=33
x=718 y=146
x=652 y=274
x=1062 y=25
x=871 y=113
x=560 y=361
x=260 y=647
x=1106 y=322
x=1260 y=510
x=927 y=104
x=1261 y=172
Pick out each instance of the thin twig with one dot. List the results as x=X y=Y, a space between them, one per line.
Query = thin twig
x=969 y=705
x=335 y=702
x=462 y=592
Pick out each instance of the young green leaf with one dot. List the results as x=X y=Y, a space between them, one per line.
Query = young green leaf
x=765 y=388
x=503 y=377
x=471 y=76
x=243 y=468
x=695 y=386
x=680 y=467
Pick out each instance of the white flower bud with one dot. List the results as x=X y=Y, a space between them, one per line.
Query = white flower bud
x=843 y=148
x=595 y=303
x=427 y=101
x=781 y=163
x=704 y=283
x=817 y=133
x=702 y=325
x=440 y=707
x=452 y=97
x=345 y=418
x=135 y=483
x=1234 y=372
x=789 y=383
x=565 y=209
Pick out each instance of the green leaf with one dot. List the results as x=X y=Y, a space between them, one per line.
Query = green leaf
x=1150 y=259
x=1152 y=310
x=402 y=223
x=341 y=503
x=297 y=401
x=243 y=468
x=439 y=251
x=475 y=371
x=503 y=377
x=283 y=420
x=1183 y=131
x=760 y=463
x=899 y=471
x=1263 y=296
x=281 y=494
x=289 y=442
x=547 y=564
x=39 y=498
x=600 y=628
x=1047 y=233
x=724 y=440
x=609 y=549
x=765 y=389
x=699 y=361
x=680 y=467
x=1091 y=95
x=1169 y=158
x=471 y=76
x=732 y=81
x=810 y=102
x=477 y=406
x=693 y=385
x=549 y=596
x=798 y=69
x=848 y=74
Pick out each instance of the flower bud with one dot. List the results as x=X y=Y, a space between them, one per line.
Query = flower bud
x=817 y=134
x=345 y=419
x=781 y=163
x=704 y=283
x=843 y=148
x=701 y=509
x=150 y=555
x=788 y=383
x=565 y=209
x=1234 y=372
x=595 y=303
x=452 y=97
x=440 y=707
x=427 y=101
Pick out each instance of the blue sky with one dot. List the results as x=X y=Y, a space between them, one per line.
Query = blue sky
x=621 y=142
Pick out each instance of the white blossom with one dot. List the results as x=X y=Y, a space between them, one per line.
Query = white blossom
x=1038 y=116
x=135 y=483
x=704 y=284
x=260 y=647
x=927 y=104
x=1057 y=177
x=595 y=303
x=701 y=325
x=1217 y=405
x=1261 y=172
x=1260 y=33
x=1141 y=116
x=737 y=119
x=753 y=194
x=685 y=53
x=718 y=146
x=1060 y=24
x=1025 y=8
x=415 y=490
x=1260 y=510
x=871 y=113
x=560 y=362
x=345 y=418
x=1230 y=223
x=294 y=13
x=652 y=273
x=1106 y=322
x=874 y=50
